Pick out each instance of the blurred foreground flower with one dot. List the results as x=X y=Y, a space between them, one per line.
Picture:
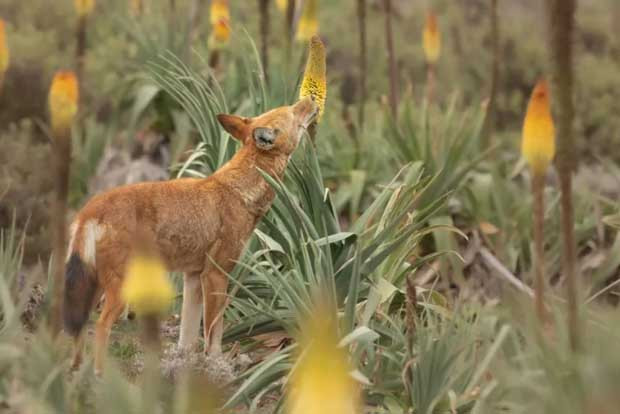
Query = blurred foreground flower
x=282 y=5
x=220 y=24
x=136 y=7
x=314 y=82
x=146 y=287
x=321 y=380
x=4 y=53
x=538 y=140
x=309 y=22
x=431 y=39
x=84 y=7
x=63 y=101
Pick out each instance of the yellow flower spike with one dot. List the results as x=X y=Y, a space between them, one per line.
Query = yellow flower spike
x=220 y=23
x=309 y=21
x=321 y=380
x=538 y=140
x=432 y=39
x=146 y=287
x=84 y=7
x=63 y=101
x=5 y=56
x=315 y=76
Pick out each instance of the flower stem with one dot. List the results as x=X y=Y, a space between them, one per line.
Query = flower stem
x=361 y=18
x=391 y=59
x=538 y=183
x=80 y=48
x=561 y=17
x=62 y=163
x=264 y=36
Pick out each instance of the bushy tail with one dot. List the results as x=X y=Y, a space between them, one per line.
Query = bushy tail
x=80 y=288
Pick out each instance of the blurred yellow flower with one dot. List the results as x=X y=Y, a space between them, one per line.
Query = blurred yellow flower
x=135 y=7
x=431 y=39
x=63 y=100
x=146 y=287
x=84 y=7
x=220 y=23
x=321 y=380
x=5 y=55
x=309 y=21
x=314 y=82
x=538 y=140
x=282 y=5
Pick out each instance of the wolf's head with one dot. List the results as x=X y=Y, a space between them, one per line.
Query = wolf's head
x=276 y=131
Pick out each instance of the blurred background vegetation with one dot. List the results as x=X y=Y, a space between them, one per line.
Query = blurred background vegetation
x=427 y=197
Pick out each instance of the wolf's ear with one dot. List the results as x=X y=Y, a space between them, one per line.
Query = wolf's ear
x=235 y=125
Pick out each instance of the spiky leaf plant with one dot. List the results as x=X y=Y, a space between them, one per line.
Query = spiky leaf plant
x=449 y=152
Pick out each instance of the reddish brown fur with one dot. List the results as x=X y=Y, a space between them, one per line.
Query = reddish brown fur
x=192 y=221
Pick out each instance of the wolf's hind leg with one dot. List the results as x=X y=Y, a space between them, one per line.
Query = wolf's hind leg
x=191 y=311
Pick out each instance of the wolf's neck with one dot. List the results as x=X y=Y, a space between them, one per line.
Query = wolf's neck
x=241 y=174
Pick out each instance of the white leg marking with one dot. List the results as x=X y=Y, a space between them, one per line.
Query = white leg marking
x=191 y=312
x=217 y=331
x=93 y=232
x=72 y=232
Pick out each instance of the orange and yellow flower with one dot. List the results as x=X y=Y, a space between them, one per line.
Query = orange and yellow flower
x=63 y=100
x=431 y=39
x=84 y=7
x=135 y=7
x=314 y=82
x=309 y=21
x=5 y=55
x=220 y=23
x=321 y=381
x=538 y=140
x=147 y=288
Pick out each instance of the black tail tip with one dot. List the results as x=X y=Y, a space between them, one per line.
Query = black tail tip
x=80 y=288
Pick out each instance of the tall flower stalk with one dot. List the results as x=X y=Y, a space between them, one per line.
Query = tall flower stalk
x=289 y=27
x=84 y=9
x=561 y=16
x=63 y=107
x=488 y=127
x=538 y=148
x=5 y=56
x=265 y=23
x=363 y=59
x=393 y=72
x=431 y=39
